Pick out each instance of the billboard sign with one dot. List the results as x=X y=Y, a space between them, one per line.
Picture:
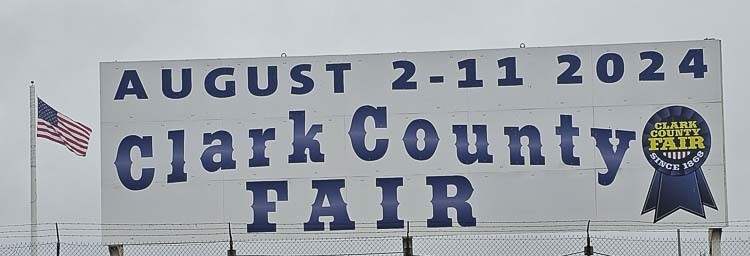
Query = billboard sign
x=446 y=140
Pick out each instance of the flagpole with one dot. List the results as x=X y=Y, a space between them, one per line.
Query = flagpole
x=32 y=141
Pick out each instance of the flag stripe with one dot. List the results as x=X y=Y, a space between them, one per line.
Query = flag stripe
x=72 y=128
x=82 y=126
x=72 y=137
x=62 y=125
x=50 y=134
x=79 y=126
x=677 y=155
x=50 y=137
x=73 y=142
x=75 y=150
x=43 y=126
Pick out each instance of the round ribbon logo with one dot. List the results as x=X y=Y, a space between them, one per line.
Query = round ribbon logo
x=676 y=142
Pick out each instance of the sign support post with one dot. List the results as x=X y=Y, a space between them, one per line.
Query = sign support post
x=714 y=241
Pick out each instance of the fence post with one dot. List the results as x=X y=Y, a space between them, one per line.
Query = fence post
x=116 y=250
x=57 y=234
x=588 y=249
x=408 y=249
x=714 y=241
x=231 y=251
x=679 y=243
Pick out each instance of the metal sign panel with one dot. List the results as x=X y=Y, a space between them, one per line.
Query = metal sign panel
x=446 y=141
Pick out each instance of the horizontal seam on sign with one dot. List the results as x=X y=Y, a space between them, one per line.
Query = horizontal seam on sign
x=387 y=175
x=415 y=113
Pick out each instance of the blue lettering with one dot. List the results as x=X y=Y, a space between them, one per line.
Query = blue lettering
x=330 y=189
x=253 y=84
x=618 y=67
x=259 y=138
x=693 y=63
x=130 y=77
x=224 y=150
x=535 y=145
x=389 y=187
x=166 y=84
x=210 y=83
x=431 y=139
x=462 y=144
x=261 y=206
x=357 y=132
x=306 y=82
x=402 y=82
x=611 y=158
x=178 y=156
x=305 y=141
x=470 y=65
x=338 y=75
x=123 y=163
x=441 y=201
x=569 y=75
x=567 y=131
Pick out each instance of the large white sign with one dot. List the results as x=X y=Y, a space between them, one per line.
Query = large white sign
x=443 y=140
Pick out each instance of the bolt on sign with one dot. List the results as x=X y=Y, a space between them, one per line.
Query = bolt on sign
x=446 y=141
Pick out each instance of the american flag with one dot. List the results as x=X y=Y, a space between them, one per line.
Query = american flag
x=55 y=126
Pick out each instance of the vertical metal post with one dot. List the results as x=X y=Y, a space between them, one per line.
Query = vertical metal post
x=408 y=249
x=679 y=243
x=714 y=241
x=116 y=250
x=588 y=250
x=231 y=251
x=32 y=165
x=407 y=243
x=57 y=234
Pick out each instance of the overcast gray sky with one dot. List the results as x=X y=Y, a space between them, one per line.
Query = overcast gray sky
x=59 y=44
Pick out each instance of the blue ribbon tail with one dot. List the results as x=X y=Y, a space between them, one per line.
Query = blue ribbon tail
x=670 y=193
x=653 y=194
x=707 y=198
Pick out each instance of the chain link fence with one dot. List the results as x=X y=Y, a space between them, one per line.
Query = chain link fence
x=559 y=245
x=553 y=245
x=185 y=240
